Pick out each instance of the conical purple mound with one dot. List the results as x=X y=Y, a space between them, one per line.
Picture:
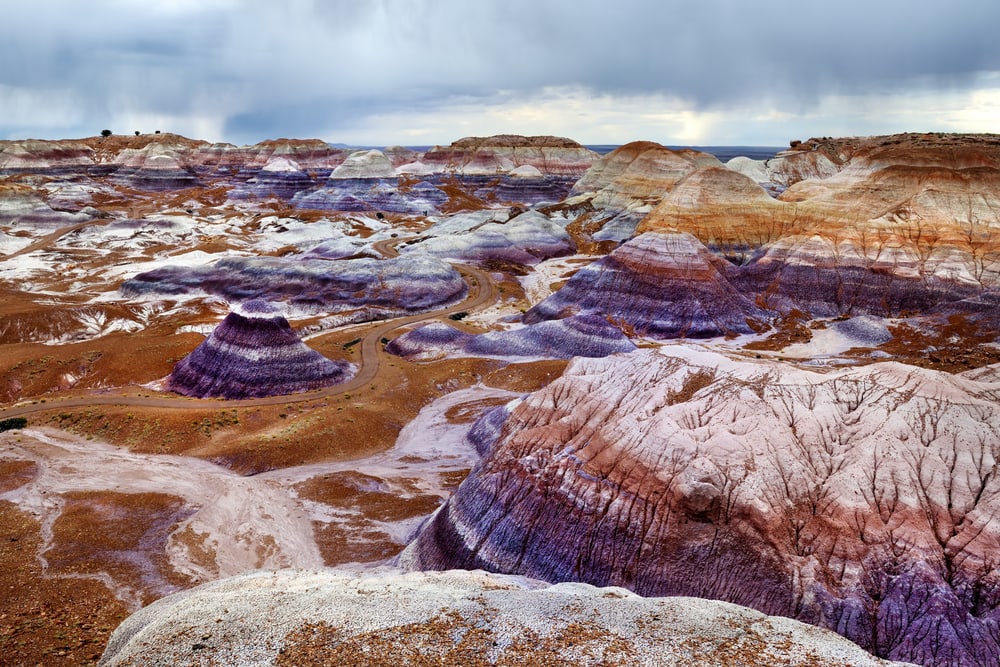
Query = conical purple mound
x=254 y=353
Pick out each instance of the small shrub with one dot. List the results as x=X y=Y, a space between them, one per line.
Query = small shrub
x=105 y=133
x=12 y=424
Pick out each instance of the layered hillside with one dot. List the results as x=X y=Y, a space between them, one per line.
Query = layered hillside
x=487 y=156
x=252 y=353
x=581 y=336
x=474 y=172
x=819 y=454
x=859 y=500
x=662 y=285
x=888 y=226
x=401 y=284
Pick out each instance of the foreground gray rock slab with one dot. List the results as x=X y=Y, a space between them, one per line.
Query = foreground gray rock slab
x=329 y=617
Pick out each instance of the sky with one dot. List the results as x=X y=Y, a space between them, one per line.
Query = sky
x=423 y=72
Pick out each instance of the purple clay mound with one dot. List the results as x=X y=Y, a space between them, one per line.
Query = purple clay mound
x=580 y=336
x=663 y=285
x=254 y=353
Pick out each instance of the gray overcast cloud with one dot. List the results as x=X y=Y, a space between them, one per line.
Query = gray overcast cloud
x=431 y=71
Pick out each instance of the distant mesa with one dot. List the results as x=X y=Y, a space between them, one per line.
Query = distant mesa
x=254 y=353
x=503 y=153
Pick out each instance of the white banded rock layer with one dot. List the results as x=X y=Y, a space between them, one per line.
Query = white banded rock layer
x=330 y=617
x=859 y=500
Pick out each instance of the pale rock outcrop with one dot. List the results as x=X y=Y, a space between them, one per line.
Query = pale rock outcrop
x=525 y=239
x=386 y=617
x=861 y=500
x=364 y=164
x=753 y=169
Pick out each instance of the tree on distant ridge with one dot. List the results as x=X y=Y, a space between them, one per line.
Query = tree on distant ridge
x=105 y=133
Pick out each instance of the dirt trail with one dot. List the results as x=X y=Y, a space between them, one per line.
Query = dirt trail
x=232 y=523
x=482 y=291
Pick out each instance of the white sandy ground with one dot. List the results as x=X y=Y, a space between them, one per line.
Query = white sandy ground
x=10 y=244
x=250 y=522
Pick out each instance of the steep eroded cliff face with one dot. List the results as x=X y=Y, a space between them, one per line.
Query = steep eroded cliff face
x=859 y=500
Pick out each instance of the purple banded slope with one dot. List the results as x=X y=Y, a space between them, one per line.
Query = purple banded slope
x=253 y=353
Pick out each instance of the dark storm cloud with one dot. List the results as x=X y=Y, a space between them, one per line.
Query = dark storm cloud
x=302 y=68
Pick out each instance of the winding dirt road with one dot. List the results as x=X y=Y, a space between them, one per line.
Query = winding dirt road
x=49 y=239
x=482 y=291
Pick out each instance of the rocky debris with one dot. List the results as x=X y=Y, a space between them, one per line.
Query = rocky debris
x=525 y=239
x=581 y=336
x=386 y=617
x=661 y=285
x=864 y=330
x=254 y=352
x=859 y=500
x=410 y=283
